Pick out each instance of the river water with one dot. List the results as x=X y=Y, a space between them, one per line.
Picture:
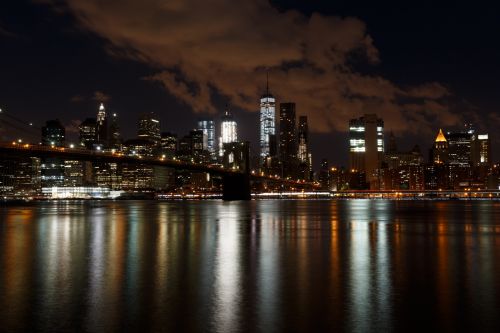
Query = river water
x=265 y=266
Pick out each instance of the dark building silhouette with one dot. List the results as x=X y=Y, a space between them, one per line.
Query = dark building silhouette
x=52 y=169
x=324 y=175
x=288 y=140
x=303 y=152
x=149 y=128
x=88 y=133
x=168 y=145
x=114 y=136
x=53 y=133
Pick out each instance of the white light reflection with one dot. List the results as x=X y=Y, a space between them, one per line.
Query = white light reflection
x=97 y=265
x=359 y=265
x=268 y=277
x=228 y=270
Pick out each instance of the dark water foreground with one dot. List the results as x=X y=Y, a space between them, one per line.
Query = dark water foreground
x=250 y=266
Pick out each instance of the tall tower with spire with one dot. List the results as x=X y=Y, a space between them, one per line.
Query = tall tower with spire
x=267 y=124
x=440 y=151
x=102 y=126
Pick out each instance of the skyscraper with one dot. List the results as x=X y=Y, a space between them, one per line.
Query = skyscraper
x=303 y=153
x=288 y=140
x=149 y=128
x=303 y=139
x=114 y=137
x=102 y=126
x=366 y=146
x=207 y=125
x=267 y=124
x=440 y=151
x=168 y=144
x=53 y=133
x=88 y=133
x=228 y=131
x=52 y=169
x=459 y=147
x=481 y=150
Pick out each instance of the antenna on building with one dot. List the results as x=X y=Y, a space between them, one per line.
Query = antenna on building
x=267 y=82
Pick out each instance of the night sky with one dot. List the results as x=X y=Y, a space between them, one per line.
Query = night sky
x=419 y=67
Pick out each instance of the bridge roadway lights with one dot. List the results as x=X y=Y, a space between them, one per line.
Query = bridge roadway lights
x=236 y=187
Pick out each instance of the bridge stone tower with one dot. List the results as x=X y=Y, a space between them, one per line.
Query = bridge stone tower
x=236 y=186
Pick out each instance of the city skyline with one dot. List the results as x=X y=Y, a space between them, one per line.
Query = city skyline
x=120 y=82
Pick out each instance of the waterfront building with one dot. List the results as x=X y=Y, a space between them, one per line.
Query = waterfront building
x=77 y=173
x=20 y=177
x=366 y=147
x=338 y=179
x=288 y=140
x=267 y=126
x=108 y=175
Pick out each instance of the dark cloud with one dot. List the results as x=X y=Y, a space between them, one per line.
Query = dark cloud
x=6 y=33
x=97 y=96
x=224 y=46
x=101 y=97
x=77 y=99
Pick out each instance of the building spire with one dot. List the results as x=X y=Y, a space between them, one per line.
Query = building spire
x=267 y=82
x=440 y=137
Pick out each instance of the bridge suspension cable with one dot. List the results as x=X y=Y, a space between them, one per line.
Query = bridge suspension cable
x=12 y=127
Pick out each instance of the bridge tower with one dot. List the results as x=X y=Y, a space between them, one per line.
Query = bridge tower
x=237 y=186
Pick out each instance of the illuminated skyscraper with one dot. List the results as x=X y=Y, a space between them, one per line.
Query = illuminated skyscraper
x=149 y=128
x=102 y=126
x=267 y=124
x=228 y=131
x=208 y=128
x=481 y=150
x=440 y=151
x=459 y=147
x=366 y=146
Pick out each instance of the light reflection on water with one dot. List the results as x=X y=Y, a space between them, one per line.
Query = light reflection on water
x=262 y=265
